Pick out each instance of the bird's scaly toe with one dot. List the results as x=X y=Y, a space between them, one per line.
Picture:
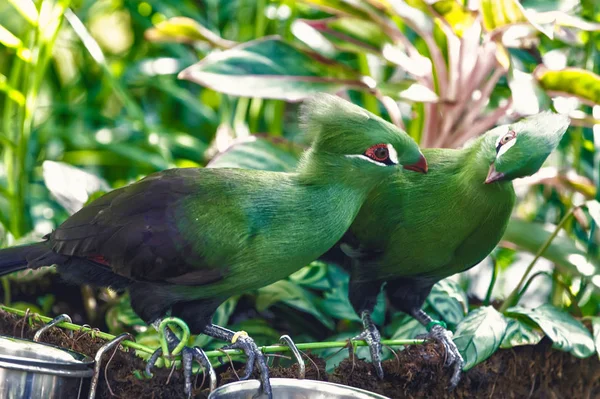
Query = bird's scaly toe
x=255 y=358
x=372 y=337
x=453 y=356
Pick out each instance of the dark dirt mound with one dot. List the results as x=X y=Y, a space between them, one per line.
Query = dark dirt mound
x=418 y=372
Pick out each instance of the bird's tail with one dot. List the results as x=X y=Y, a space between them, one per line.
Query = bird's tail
x=17 y=258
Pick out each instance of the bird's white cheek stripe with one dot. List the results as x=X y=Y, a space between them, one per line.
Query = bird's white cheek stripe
x=506 y=147
x=393 y=154
x=366 y=159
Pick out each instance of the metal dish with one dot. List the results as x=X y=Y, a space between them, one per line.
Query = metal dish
x=35 y=370
x=289 y=388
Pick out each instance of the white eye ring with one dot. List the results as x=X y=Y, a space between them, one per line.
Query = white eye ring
x=506 y=147
x=392 y=154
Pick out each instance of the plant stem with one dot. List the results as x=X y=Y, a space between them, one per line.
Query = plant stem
x=514 y=296
x=488 y=295
x=369 y=100
x=216 y=353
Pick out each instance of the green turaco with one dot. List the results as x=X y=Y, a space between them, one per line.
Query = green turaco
x=414 y=231
x=182 y=241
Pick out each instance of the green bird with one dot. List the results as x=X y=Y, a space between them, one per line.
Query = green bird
x=414 y=231
x=183 y=241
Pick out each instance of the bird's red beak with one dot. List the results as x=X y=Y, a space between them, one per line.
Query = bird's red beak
x=493 y=175
x=420 y=166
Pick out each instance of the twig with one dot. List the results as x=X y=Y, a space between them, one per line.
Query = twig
x=106 y=372
x=515 y=293
x=230 y=363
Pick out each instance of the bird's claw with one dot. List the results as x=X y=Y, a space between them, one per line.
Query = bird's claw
x=255 y=357
x=372 y=337
x=453 y=356
x=188 y=356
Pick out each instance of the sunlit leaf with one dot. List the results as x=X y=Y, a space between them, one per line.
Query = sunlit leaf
x=339 y=7
x=563 y=252
x=11 y=41
x=408 y=91
x=271 y=68
x=449 y=300
x=71 y=186
x=500 y=14
x=570 y=82
x=185 y=30
x=520 y=333
x=27 y=10
x=351 y=34
x=259 y=153
x=479 y=335
x=594 y=210
x=567 y=333
x=454 y=13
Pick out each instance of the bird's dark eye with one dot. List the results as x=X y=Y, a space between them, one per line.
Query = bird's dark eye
x=379 y=153
x=505 y=139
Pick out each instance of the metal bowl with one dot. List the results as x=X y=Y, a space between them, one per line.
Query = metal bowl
x=289 y=388
x=35 y=370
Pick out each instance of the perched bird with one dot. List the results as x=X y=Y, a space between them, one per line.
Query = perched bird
x=182 y=241
x=414 y=231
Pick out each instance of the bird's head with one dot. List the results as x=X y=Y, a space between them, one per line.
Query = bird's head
x=356 y=137
x=522 y=147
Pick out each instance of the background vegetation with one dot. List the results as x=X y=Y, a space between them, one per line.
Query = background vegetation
x=90 y=101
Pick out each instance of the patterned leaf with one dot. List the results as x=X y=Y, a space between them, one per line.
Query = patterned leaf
x=520 y=333
x=479 y=335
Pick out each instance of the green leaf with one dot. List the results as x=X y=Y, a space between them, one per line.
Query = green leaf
x=312 y=276
x=408 y=328
x=570 y=82
x=185 y=30
x=449 y=300
x=563 y=252
x=567 y=333
x=520 y=333
x=351 y=34
x=271 y=68
x=11 y=41
x=27 y=10
x=596 y=331
x=293 y=295
x=479 y=335
x=277 y=155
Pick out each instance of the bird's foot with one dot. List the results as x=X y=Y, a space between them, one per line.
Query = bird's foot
x=438 y=332
x=372 y=337
x=173 y=345
x=242 y=341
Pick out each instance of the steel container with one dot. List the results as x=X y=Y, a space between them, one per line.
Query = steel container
x=35 y=370
x=289 y=388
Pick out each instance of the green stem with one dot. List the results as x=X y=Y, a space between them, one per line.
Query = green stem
x=488 y=295
x=6 y=288
x=369 y=100
x=217 y=353
x=514 y=296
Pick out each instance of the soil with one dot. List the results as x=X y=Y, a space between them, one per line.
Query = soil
x=524 y=372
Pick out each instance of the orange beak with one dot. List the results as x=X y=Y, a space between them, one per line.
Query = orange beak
x=493 y=175
x=420 y=166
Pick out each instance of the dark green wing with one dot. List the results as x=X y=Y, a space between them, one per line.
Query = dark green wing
x=133 y=231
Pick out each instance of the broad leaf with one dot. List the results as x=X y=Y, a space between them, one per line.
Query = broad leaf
x=71 y=186
x=449 y=300
x=501 y=14
x=312 y=276
x=563 y=252
x=570 y=82
x=271 y=68
x=293 y=295
x=185 y=30
x=259 y=153
x=596 y=331
x=479 y=335
x=351 y=34
x=520 y=333
x=567 y=333
x=408 y=328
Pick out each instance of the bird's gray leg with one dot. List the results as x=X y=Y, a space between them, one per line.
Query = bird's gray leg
x=241 y=340
x=439 y=332
x=188 y=356
x=371 y=336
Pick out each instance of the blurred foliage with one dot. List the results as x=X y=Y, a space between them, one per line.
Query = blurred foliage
x=90 y=100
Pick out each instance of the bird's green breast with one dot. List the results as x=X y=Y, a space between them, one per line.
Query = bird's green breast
x=436 y=224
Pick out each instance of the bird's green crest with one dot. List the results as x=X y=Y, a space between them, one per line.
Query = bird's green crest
x=522 y=147
x=336 y=126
